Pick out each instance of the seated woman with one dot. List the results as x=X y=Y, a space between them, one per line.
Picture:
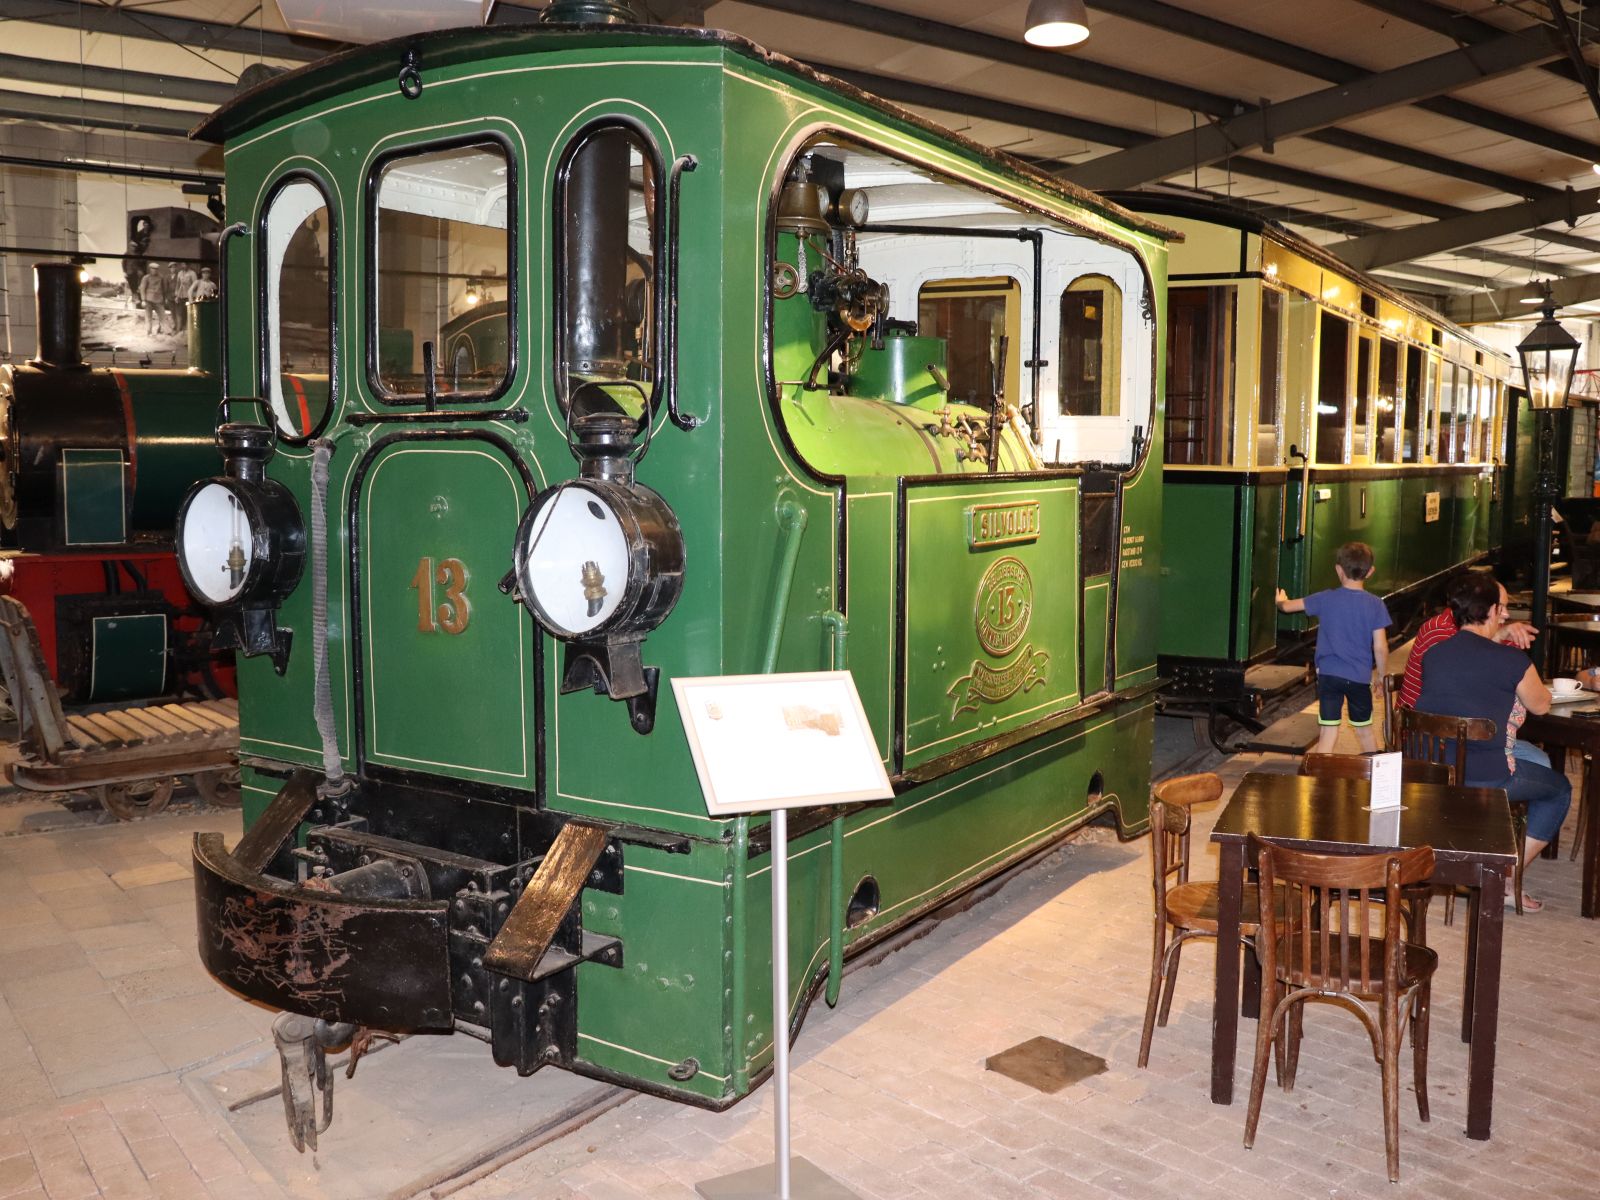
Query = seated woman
x=1473 y=675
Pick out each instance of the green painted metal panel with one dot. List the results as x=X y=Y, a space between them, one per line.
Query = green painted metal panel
x=1267 y=534
x=128 y=657
x=1197 y=548
x=450 y=685
x=991 y=636
x=94 y=497
x=175 y=414
x=1096 y=628
x=870 y=593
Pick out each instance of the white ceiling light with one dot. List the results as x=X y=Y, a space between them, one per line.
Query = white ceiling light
x=1056 y=23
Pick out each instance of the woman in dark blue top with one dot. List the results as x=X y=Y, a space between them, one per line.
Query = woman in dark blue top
x=1471 y=675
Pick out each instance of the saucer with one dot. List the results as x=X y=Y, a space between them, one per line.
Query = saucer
x=1580 y=694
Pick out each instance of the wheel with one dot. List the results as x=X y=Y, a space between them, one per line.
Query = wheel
x=143 y=798
x=220 y=789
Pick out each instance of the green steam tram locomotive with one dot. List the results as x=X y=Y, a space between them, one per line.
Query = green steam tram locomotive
x=1307 y=406
x=653 y=355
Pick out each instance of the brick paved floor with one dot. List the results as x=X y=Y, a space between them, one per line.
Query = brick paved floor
x=892 y=1098
x=103 y=1005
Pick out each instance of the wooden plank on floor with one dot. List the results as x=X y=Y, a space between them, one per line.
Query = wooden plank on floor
x=136 y=718
x=107 y=731
x=154 y=716
x=178 y=717
x=199 y=714
x=129 y=732
x=87 y=735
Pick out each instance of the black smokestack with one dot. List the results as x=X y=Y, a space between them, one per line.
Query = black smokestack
x=60 y=314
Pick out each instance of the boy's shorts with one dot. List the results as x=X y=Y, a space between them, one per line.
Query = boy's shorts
x=1332 y=692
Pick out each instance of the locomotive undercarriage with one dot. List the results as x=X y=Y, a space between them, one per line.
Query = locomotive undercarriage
x=394 y=916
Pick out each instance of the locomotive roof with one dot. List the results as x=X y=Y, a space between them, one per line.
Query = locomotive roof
x=1217 y=212
x=362 y=66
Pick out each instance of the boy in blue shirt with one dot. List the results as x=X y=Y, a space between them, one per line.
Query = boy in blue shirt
x=1352 y=646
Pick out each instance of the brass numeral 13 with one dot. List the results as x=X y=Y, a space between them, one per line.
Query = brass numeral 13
x=451 y=616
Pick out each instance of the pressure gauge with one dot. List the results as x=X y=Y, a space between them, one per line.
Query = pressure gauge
x=597 y=560
x=240 y=541
x=853 y=207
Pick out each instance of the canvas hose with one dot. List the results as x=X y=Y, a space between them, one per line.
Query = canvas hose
x=322 y=688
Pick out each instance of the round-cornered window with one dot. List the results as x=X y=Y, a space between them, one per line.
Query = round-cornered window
x=298 y=327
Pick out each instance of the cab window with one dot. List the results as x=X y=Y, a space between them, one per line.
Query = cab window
x=1089 y=379
x=608 y=212
x=297 y=341
x=980 y=322
x=442 y=230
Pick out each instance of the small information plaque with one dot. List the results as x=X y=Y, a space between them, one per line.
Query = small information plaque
x=1385 y=781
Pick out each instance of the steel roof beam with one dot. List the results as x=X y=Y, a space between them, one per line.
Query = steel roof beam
x=96 y=114
x=1438 y=237
x=1211 y=31
x=1316 y=110
x=200 y=35
x=112 y=79
x=1462 y=28
x=947 y=100
x=1506 y=303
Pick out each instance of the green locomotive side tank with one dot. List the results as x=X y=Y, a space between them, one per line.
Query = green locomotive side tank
x=668 y=231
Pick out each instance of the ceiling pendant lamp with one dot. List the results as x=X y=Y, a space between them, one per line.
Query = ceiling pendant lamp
x=1056 y=23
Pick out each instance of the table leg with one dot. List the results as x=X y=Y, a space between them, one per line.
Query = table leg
x=1590 y=905
x=1489 y=927
x=1474 y=901
x=1225 y=1005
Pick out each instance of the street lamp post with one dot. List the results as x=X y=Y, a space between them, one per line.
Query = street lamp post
x=1549 y=353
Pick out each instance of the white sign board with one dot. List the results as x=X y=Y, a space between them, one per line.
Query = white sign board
x=763 y=742
x=1385 y=781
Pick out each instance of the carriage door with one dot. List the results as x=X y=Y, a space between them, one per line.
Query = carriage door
x=448 y=680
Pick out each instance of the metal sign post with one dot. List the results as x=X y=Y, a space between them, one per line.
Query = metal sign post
x=769 y=743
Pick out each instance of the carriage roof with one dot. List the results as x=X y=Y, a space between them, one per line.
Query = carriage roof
x=364 y=66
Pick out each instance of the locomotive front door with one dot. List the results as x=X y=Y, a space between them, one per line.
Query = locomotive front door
x=448 y=682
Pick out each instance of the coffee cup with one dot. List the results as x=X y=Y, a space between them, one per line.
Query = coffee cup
x=1564 y=687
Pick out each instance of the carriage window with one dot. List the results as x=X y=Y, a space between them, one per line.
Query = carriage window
x=1485 y=419
x=1199 y=374
x=1362 y=442
x=443 y=252
x=1390 y=422
x=297 y=344
x=607 y=310
x=1414 y=410
x=1333 y=388
x=1448 y=375
x=1091 y=336
x=1269 y=400
x=979 y=320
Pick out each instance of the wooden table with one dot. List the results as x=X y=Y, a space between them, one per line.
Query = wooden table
x=1474 y=846
x=1566 y=727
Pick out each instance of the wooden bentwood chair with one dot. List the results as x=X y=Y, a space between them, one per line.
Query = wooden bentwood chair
x=1320 y=947
x=1184 y=908
x=1428 y=737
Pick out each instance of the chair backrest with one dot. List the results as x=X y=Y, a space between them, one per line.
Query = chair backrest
x=1319 y=938
x=1170 y=802
x=1359 y=766
x=1391 y=727
x=1432 y=737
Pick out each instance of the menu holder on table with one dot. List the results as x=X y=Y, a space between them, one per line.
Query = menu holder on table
x=1386 y=779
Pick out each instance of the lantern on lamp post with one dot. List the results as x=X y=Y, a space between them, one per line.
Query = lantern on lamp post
x=1549 y=353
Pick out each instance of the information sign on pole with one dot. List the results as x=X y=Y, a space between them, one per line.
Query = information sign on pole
x=769 y=743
